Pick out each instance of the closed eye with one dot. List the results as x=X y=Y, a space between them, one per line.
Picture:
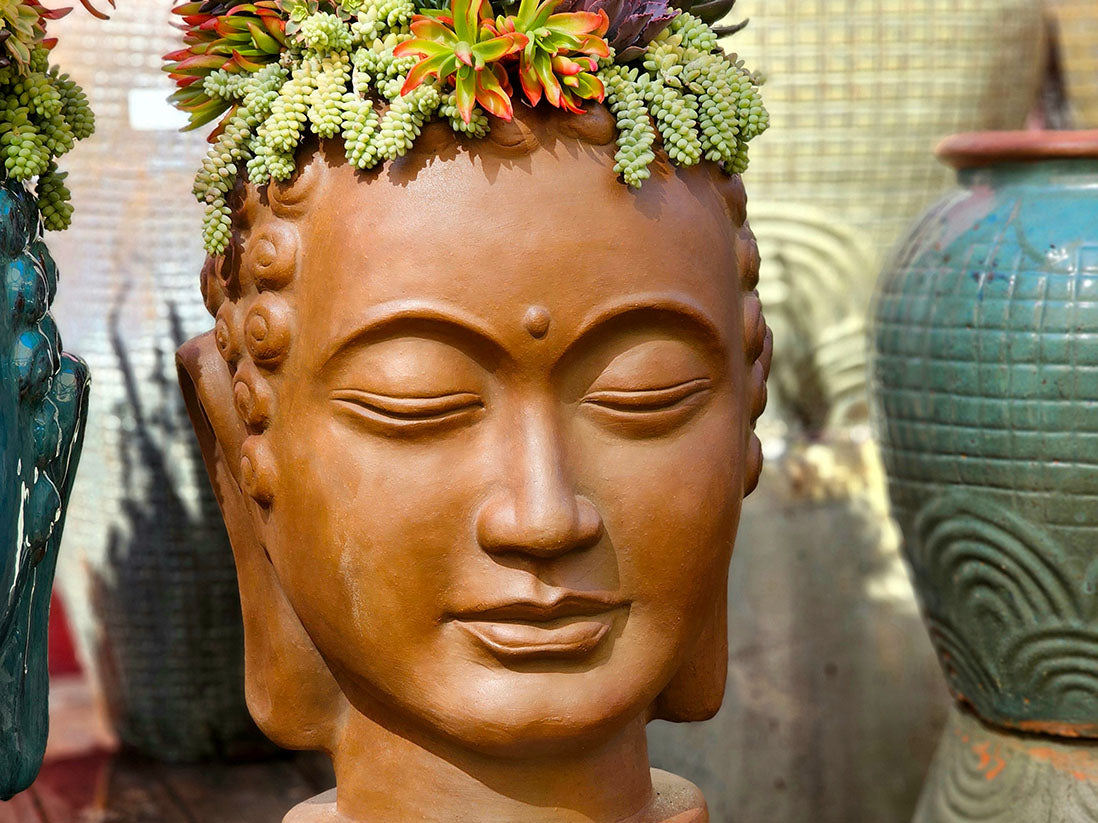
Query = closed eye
x=398 y=411
x=649 y=400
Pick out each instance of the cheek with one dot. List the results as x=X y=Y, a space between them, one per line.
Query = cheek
x=671 y=508
x=366 y=529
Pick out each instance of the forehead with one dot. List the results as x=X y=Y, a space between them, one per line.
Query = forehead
x=555 y=229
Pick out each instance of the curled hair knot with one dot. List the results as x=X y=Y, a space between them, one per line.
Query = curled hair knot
x=267 y=330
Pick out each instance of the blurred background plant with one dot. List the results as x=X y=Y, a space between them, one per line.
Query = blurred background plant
x=146 y=572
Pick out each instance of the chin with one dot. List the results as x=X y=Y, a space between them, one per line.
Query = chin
x=519 y=714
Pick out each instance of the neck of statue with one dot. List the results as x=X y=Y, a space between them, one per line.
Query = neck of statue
x=388 y=777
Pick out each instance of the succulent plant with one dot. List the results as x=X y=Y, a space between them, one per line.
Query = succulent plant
x=373 y=72
x=555 y=52
x=559 y=58
x=244 y=37
x=298 y=11
x=711 y=12
x=633 y=23
x=42 y=112
x=23 y=25
x=467 y=48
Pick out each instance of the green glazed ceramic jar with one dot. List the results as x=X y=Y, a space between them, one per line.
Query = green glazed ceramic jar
x=985 y=381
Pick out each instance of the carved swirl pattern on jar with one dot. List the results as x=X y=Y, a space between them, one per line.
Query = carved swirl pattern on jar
x=968 y=778
x=985 y=775
x=991 y=572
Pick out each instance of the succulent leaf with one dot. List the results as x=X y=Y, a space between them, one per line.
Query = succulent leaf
x=633 y=24
x=558 y=40
x=708 y=11
x=464 y=48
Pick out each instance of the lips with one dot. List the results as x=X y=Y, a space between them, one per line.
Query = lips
x=569 y=627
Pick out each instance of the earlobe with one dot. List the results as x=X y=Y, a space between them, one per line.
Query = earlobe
x=280 y=658
x=207 y=393
x=697 y=689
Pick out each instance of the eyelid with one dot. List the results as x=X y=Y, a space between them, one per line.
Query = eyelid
x=648 y=399
x=411 y=408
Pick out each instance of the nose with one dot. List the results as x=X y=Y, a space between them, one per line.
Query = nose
x=536 y=510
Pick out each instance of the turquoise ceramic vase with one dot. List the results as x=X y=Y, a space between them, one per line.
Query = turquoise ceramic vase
x=985 y=376
x=43 y=408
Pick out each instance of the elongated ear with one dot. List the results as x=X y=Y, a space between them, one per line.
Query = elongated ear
x=697 y=689
x=290 y=691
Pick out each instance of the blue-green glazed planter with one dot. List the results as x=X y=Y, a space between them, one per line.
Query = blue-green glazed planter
x=985 y=376
x=43 y=409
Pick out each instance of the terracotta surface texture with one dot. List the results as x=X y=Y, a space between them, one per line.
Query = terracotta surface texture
x=983 y=149
x=480 y=424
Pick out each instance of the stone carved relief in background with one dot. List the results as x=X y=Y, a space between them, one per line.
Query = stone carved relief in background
x=819 y=317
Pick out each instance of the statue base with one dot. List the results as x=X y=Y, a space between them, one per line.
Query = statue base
x=995 y=776
x=677 y=800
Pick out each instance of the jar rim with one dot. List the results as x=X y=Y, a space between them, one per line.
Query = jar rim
x=990 y=148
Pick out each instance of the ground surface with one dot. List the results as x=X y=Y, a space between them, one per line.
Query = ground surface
x=86 y=780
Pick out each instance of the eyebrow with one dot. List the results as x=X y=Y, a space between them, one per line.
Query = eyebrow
x=442 y=317
x=663 y=307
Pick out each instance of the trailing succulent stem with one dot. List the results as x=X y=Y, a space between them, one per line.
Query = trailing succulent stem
x=43 y=113
x=702 y=103
x=373 y=72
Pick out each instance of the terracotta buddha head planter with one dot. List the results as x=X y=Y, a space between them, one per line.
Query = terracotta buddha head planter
x=483 y=476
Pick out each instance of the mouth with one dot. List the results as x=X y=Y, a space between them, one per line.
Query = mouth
x=571 y=627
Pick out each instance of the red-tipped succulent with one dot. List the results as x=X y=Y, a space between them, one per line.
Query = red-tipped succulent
x=633 y=23
x=463 y=47
x=559 y=59
x=554 y=54
x=218 y=35
x=23 y=26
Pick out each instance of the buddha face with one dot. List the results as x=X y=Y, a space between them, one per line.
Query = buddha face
x=503 y=463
